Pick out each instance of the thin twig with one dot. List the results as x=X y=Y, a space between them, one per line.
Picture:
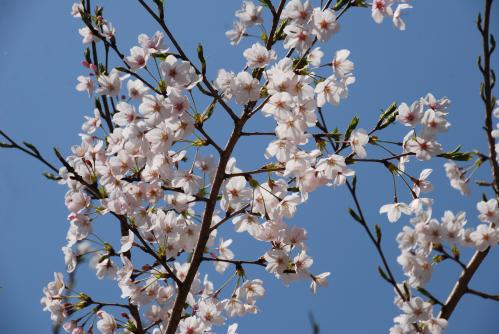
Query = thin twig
x=483 y=295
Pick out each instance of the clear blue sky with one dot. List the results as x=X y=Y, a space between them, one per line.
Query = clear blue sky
x=40 y=52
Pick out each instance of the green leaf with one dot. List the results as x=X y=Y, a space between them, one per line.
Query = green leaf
x=354 y=215
x=383 y=275
x=208 y=112
x=455 y=252
x=378 y=233
x=161 y=86
x=335 y=134
x=300 y=65
x=130 y=325
x=340 y=4
x=388 y=111
x=359 y=3
x=349 y=161
x=388 y=116
x=280 y=35
x=388 y=121
x=253 y=183
x=353 y=124
x=427 y=294
x=121 y=69
x=31 y=147
x=99 y=10
x=201 y=59
x=437 y=259
x=162 y=56
x=198 y=142
x=101 y=69
x=52 y=177
x=264 y=92
x=87 y=56
x=264 y=37
x=456 y=155
x=321 y=144
x=391 y=167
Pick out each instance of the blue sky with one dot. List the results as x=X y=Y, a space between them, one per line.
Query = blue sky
x=40 y=53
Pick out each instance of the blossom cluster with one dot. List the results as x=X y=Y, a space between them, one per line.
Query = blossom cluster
x=146 y=159
x=382 y=8
x=427 y=235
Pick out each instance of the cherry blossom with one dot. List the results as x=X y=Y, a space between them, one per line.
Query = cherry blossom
x=258 y=56
x=358 y=139
x=324 y=24
x=110 y=85
x=107 y=323
x=380 y=9
x=245 y=88
x=395 y=210
x=138 y=58
x=298 y=11
x=236 y=33
x=153 y=44
x=397 y=15
x=484 y=237
x=250 y=14
x=342 y=66
x=85 y=84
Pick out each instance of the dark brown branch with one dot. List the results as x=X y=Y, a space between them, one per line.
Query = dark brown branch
x=483 y=295
x=442 y=250
x=32 y=151
x=229 y=216
x=162 y=261
x=376 y=242
x=217 y=182
x=256 y=171
x=462 y=285
x=144 y=81
x=258 y=134
x=259 y=262
x=179 y=190
x=210 y=140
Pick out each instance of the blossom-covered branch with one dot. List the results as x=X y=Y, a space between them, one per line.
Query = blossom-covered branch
x=148 y=159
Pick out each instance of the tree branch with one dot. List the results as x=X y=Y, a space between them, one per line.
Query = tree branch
x=376 y=242
x=461 y=287
x=204 y=234
x=483 y=295
x=32 y=151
